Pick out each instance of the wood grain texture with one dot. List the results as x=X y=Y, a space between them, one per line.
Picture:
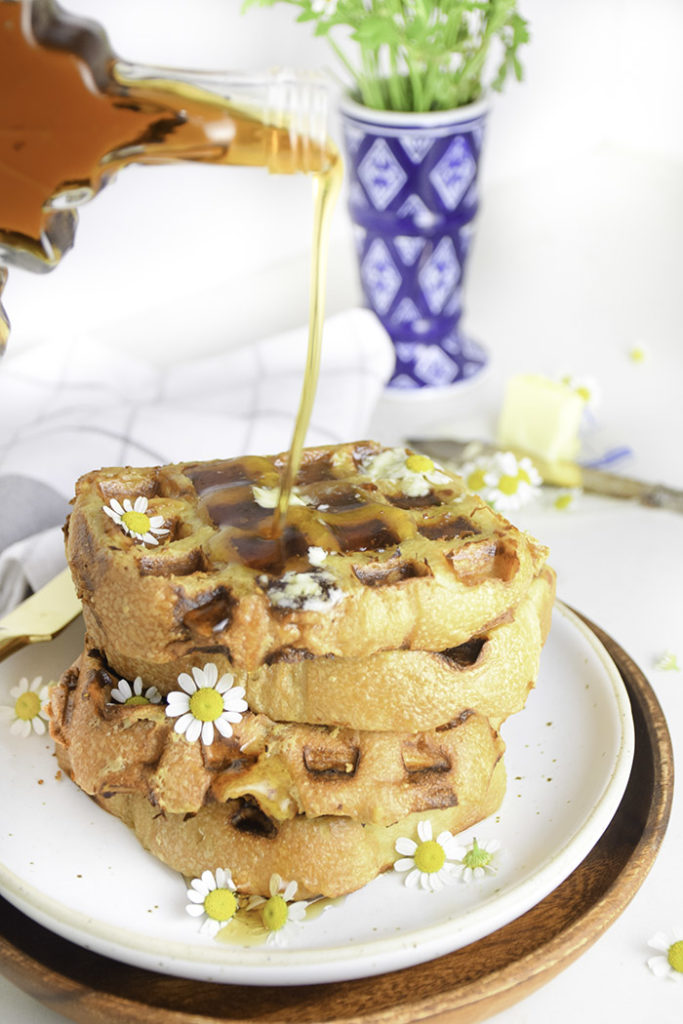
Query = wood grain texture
x=463 y=987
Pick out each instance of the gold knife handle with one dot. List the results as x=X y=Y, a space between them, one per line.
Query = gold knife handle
x=11 y=644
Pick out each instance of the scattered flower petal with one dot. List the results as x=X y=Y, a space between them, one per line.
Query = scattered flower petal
x=205 y=703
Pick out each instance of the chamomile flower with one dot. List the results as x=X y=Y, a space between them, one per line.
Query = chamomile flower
x=638 y=354
x=585 y=387
x=503 y=480
x=213 y=896
x=415 y=472
x=476 y=860
x=268 y=497
x=280 y=913
x=124 y=693
x=669 y=964
x=205 y=702
x=134 y=520
x=667 y=662
x=26 y=713
x=566 y=500
x=429 y=861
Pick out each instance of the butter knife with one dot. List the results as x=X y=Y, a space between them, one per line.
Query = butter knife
x=41 y=616
x=557 y=474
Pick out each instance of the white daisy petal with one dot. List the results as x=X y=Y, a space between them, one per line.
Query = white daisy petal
x=290 y=892
x=225 y=682
x=405 y=846
x=195 y=897
x=177 y=708
x=211 y=927
x=659 y=941
x=186 y=683
x=206 y=733
x=224 y=728
x=117 y=506
x=183 y=723
x=195 y=909
x=404 y=864
x=210 y=674
x=659 y=965
x=424 y=830
x=193 y=729
x=140 y=504
x=199 y=677
x=412 y=878
x=38 y=725
x=209 y=880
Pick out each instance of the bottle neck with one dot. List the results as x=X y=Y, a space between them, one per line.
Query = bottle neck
x=276 y=120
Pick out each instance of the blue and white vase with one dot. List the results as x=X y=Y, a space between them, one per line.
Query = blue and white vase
x=412 y=181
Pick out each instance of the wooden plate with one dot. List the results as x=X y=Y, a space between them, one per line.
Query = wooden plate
x=463 y=987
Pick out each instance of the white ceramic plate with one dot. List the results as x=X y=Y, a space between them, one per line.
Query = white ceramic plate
x=78 y=871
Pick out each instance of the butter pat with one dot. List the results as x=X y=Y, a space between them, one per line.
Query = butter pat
x=541 y=416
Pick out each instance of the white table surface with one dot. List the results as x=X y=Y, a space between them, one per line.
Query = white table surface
x=573 y=267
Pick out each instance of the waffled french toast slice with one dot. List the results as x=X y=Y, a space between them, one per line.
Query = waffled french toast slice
x=380 y=550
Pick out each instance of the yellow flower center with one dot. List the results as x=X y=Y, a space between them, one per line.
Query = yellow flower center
x=136 y=522
x=206 y=704
x=475 y=481
x=275 y=913
x=508 y=484
x=430 y=857
x=220 y=904
x=27 y=706
x=419 y=464
x=675 y=956
x=563 y=501
x=137 y=698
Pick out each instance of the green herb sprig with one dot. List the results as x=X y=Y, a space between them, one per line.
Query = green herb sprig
x=419 y=55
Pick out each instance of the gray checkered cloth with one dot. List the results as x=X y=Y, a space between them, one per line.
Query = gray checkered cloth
x=65 y=410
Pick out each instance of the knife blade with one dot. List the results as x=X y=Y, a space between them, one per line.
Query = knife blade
x=557 y=474
x=41 y=616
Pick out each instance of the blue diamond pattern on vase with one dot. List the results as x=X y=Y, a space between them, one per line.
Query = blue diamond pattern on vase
x=409 y=247
x=380 y=275
x=454 y=173
x=439 y=275
x=412 y=196
x=381 y=174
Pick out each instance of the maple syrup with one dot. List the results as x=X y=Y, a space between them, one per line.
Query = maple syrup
x=74 y=114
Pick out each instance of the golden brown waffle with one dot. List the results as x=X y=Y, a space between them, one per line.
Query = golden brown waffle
x=327 y=856
x=377 y=556
x=392 y=690
x=284 y=770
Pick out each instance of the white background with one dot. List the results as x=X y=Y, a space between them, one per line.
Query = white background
x=577 y=258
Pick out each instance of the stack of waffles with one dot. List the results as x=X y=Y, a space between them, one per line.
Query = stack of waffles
x=299 y=698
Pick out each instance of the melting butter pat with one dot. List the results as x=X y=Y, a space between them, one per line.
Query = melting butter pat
x=541 y=416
